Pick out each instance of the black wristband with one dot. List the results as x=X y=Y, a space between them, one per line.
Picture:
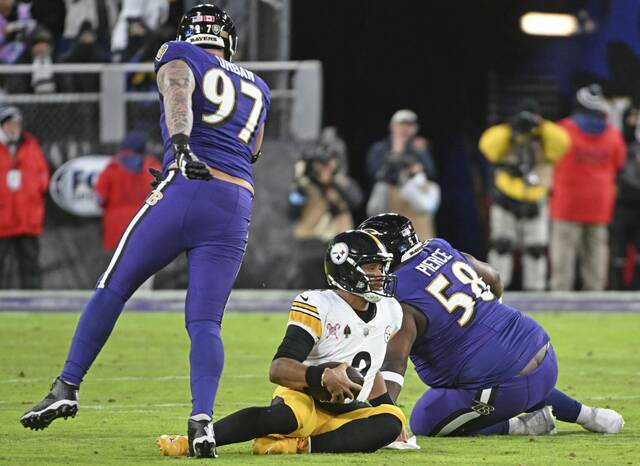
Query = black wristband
x=179 y=139
x=383 y=399
x=313 y=376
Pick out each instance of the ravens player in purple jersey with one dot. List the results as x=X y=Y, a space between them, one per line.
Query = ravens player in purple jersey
x=485 y=362
x=212 y=121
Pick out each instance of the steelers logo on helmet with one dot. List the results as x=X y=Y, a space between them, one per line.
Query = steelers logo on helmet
x=339 y=253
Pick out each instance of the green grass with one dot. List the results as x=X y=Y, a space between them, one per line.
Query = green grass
x=139 y=388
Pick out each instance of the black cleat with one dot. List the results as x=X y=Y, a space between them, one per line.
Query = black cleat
x=202 y=442
x=62 y=401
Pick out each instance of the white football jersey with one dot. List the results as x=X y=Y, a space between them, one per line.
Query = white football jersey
x=342 y=336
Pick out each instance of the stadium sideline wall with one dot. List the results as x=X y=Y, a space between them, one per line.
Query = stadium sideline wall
x=72 y=256
x=280 y=301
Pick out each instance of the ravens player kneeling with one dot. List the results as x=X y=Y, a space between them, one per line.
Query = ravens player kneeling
x=351 y=323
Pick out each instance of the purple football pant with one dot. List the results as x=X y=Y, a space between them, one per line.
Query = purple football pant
x=209 y=220
x=457 y=412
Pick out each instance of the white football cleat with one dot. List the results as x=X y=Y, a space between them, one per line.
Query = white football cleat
x=601 y=420
x=536 y=423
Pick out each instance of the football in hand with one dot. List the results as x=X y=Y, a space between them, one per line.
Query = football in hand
x=322 y=394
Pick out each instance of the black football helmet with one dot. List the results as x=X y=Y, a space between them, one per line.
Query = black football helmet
x=396 y=233
x=345 y=255
x=208 y=26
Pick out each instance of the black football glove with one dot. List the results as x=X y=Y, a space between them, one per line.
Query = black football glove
x=190 y=166
x=157 y=177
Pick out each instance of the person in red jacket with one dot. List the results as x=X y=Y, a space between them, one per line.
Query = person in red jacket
x=584 y=190
x=24 y=178
x=123 y=186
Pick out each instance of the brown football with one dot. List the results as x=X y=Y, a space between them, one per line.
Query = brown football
x=322 y=394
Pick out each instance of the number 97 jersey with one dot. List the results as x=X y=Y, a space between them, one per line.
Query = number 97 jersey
x=229 y=104
x=472 y=340
x=342 y=336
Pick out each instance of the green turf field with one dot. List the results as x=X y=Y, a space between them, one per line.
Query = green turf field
x=139 y=388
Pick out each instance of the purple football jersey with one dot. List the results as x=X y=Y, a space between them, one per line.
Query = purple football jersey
x=229 y=104
x=472 y=339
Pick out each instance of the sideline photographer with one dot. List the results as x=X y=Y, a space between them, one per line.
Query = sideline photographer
x=402 y=169
x=523 y=152
x=320 y=202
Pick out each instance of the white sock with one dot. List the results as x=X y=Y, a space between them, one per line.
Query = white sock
x=201 y=417
x=585 y=414
x=515 y=426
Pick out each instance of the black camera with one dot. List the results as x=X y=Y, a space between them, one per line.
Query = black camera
x=526 y=162
x=316 y=153
x=394 y=165
x=524 y=122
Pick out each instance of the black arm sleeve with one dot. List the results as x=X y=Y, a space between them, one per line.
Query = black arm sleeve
x=383 y=399
x=296 y=344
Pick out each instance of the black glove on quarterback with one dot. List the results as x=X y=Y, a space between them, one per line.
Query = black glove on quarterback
x=190 y=166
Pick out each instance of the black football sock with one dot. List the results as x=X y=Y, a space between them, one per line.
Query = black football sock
x=250 y=423
x=359 y=436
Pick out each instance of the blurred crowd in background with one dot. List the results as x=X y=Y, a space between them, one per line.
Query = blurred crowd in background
x=42 y=32
x=564 y=210
x=563 y=204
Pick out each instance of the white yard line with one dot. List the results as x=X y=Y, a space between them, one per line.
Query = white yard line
x=613 y=397
x=142 y=408
x=134 y=378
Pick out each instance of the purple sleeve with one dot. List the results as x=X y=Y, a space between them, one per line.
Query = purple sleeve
x=174 y=50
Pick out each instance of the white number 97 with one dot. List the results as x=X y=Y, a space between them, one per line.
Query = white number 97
x=218 y=89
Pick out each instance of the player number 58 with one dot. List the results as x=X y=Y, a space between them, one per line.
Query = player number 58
x=467 y=276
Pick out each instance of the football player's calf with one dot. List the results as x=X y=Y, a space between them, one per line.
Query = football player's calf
x=567 y=409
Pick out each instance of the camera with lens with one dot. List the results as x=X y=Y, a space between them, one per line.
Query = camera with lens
x=395 y=167
x=524 y=122
x=524 y=146
x=312 y=156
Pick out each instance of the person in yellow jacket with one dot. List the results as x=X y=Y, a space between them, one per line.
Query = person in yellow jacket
x=523 y=152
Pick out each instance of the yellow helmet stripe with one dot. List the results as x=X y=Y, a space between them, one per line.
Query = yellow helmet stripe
x=378 y=242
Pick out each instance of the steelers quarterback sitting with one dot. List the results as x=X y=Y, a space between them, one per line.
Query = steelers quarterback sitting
x=334 y=338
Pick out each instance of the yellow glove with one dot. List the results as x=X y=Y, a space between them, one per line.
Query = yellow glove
x=176 y=445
